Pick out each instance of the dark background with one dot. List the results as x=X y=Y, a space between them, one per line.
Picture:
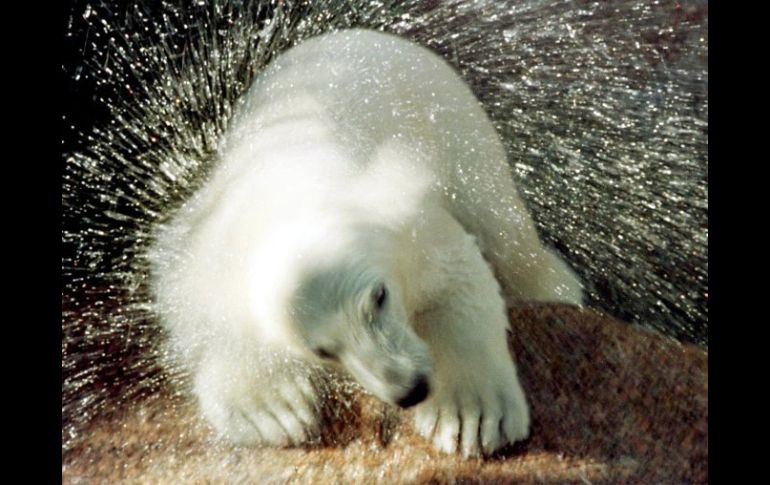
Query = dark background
x=83 y=108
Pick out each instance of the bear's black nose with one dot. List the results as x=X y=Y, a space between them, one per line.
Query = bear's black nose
x=417 y=395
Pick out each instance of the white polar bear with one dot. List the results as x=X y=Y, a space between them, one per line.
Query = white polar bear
x=358 y=187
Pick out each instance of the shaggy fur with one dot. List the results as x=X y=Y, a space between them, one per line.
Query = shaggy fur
x=360 y=196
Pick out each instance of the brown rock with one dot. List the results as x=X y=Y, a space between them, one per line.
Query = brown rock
x=610 y=404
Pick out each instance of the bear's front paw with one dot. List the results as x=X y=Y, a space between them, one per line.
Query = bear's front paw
x=478 y=415
x=280 y=411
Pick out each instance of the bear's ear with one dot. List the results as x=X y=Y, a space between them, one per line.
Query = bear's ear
x=395 y=184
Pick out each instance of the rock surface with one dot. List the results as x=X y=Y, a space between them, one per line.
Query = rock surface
x=610 y=404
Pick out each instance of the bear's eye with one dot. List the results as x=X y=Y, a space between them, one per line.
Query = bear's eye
x=324 y=354
x=380 y=295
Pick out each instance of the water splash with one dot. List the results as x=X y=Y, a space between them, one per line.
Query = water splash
x=603 y=108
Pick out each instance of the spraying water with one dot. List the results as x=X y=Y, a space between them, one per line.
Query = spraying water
x=603 y=108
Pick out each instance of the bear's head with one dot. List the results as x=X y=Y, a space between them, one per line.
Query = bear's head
x=329 y=283
x=335 y=292
x=352 y=313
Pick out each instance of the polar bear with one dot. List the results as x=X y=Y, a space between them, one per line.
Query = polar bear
x=361 y=216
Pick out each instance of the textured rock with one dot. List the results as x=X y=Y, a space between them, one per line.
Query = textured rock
x=610 y=403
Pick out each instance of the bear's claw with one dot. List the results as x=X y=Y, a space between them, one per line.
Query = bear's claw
x=279 y=411
x=475 y=418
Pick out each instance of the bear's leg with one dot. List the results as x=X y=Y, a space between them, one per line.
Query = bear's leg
x=477 y=403
x=268 y=400
x=507 y=236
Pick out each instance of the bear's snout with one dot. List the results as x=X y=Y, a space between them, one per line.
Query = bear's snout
x=417 y=394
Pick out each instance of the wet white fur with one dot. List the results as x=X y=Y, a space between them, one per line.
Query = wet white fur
x=367 y=156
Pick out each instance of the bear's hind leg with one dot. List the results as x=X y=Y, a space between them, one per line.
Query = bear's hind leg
x=506 y=233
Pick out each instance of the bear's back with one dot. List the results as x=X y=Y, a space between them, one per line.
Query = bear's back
x=360 y=89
